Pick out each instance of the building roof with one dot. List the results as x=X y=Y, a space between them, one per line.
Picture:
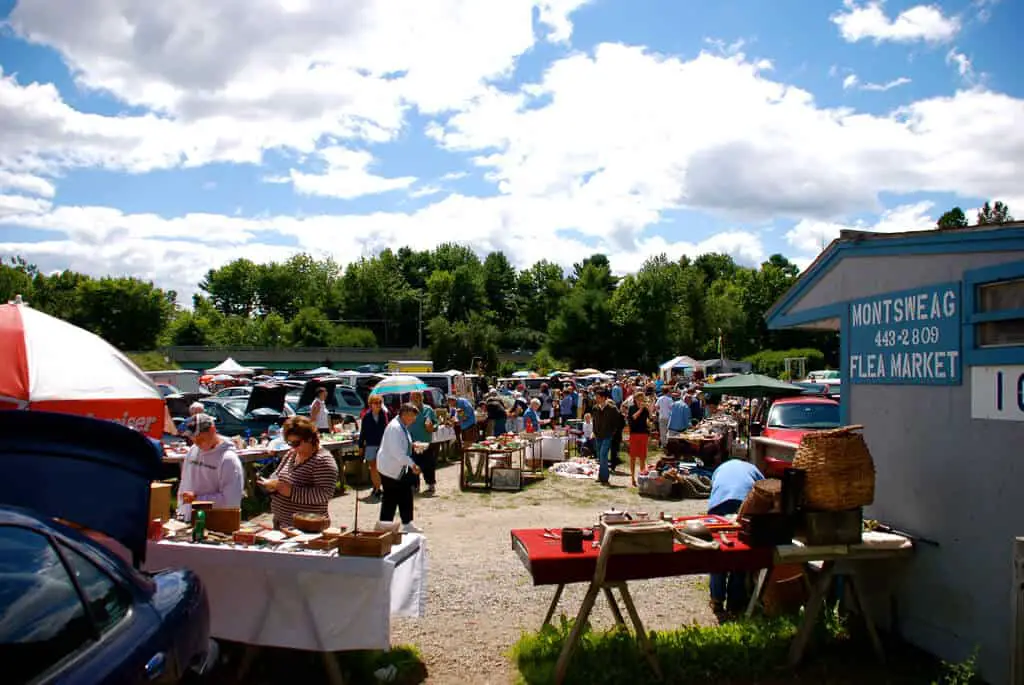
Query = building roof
x=867 y=243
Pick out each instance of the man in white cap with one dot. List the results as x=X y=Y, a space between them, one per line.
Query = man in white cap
x=211 y=471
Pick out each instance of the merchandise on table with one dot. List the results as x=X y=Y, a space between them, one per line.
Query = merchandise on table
x=328 y=541
x=668 y=480
x=576 y=468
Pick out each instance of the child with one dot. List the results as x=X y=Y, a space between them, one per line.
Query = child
x=588 y=435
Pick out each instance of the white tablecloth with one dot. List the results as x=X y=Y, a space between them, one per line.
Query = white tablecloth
x=301 y=600
x=549 y=447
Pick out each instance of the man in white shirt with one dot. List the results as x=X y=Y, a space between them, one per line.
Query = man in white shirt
x=664 y=408
x=211 y=471
x=395 y=454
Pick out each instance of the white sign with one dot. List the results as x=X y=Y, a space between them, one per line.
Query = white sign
x=997 y=393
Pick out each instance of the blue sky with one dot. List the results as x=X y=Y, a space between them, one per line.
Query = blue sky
x=163 y=139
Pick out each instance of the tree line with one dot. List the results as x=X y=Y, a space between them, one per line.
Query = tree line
x=464 y=309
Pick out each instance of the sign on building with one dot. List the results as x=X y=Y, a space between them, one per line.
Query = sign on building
x=907 y=338
x=997 y=392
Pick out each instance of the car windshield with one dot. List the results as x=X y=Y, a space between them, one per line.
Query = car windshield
x=236 y=408
x=800 y=415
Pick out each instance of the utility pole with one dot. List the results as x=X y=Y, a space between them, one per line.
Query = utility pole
x=420 y=336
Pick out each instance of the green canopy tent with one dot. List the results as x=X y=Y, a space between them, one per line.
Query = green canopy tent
x=751 y=385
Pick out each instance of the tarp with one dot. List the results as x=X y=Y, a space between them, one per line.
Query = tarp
x=752 y=385
x=682 y=361
x=231 y=368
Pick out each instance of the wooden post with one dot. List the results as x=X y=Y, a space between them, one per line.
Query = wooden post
x=1017 y=602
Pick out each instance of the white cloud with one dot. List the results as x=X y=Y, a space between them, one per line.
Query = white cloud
x=888 y=85
x=853 y=81
x=809 y=237
x=346 y=176
x=919 y=23
x=235 y=78
x=26 y=183
x=963 y=65
x=587 y=158
x=635 y=133
x=19 y=205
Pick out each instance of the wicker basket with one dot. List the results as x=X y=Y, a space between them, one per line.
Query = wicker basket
x=764 y=498
x=840 y=470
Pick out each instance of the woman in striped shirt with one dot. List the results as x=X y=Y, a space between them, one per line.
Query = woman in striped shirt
x=304 y=481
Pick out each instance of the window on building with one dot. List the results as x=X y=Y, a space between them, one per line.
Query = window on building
x=1001 y=309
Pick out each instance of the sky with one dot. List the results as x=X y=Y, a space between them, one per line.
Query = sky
x=162 y=139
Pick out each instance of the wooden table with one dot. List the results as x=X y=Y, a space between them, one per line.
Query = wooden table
x=542 y=556
x=475 y=466
x=547 y=564
x=837 y=561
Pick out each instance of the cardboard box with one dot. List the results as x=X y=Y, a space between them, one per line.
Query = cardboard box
x=159 y=501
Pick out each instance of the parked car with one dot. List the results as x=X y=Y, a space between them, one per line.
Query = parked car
x=72 y=609
x=239 y=392
x=264 y=406
x=342 y=399
x=789 y=420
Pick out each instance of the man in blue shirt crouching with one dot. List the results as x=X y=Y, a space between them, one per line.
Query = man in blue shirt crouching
x=731 y=482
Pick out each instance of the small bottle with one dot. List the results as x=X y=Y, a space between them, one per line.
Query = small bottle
x=199 y=528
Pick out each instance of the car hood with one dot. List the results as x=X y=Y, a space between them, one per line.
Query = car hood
x=90 y=472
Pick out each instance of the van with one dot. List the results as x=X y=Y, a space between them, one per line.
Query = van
x=448 y=382
x=185 y=380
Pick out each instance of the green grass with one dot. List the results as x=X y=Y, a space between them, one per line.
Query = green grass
x=274 y=666
x=746 y=652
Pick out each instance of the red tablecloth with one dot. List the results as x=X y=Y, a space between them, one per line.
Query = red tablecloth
x=549 y=565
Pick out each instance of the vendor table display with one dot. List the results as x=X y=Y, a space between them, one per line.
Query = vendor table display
x=546 y=446
x=482 y=460
x=302 y=599
x=624 y=553
x=834 y=562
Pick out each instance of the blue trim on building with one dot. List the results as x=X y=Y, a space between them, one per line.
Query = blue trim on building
x=831 y=311
x=844 y=366
x=989 y=356
x=926 y=243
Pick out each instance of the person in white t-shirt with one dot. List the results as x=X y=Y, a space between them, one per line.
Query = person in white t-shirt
x=664 y=409
x=319 y=413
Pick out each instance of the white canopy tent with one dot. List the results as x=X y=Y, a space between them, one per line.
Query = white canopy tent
x=680 y=362
x=231 y=368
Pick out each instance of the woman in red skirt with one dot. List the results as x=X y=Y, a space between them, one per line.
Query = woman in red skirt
x=638 y=434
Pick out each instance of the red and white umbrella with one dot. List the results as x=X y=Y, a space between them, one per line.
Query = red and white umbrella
x=50 y=365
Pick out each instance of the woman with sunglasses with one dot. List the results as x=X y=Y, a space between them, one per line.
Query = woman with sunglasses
x=304 y=481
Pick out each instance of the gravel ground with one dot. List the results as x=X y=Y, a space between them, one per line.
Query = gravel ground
x=480 y=598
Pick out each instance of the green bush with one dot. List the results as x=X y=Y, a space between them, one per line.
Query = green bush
x=773 y=362
x=743 y=652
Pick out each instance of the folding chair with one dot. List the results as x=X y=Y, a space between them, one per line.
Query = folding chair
x=625 y=539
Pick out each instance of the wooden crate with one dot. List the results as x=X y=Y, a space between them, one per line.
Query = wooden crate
x=366 y=543
x=160 y=501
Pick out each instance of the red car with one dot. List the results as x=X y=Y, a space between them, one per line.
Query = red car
x=789 y=420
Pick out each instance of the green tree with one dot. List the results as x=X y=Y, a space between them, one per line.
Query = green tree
x=310 y=328
x=954 y=218
x=126 y=312
x=16 y=278
x=583 y=328
x=499 y=281
x=997 y=213
x=233 y=288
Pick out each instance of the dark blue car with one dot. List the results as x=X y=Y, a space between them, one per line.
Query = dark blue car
x=73 y=610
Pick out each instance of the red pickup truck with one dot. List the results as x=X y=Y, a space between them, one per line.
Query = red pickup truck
x=789 y=420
